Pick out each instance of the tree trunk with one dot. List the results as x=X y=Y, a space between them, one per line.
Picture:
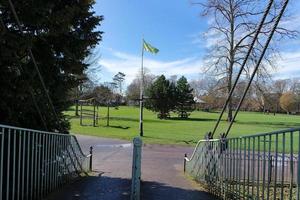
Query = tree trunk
x=107 y=119
x=76 y=107
x=231 y=63
x=229 y=106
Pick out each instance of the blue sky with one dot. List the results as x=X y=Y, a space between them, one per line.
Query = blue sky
x=176 y=28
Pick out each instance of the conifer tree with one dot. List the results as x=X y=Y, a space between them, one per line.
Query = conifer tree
x=184 y=98
x=61 y=34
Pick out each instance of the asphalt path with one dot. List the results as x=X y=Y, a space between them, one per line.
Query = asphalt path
x=162 y=173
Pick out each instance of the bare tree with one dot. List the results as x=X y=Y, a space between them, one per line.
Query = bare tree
x=261 y=94
x=133 y=89
x=203 y=86
x=231 y=30
x=288 y=101
x=93 y=71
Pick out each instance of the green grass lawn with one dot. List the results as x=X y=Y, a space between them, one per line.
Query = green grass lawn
x=124 y=124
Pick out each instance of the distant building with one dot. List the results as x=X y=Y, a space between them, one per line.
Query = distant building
x=200 y=104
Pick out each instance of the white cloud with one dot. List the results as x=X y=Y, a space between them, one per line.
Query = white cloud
x=292 y=22
x=130 y=65
x=288 y=65
x=206 y=39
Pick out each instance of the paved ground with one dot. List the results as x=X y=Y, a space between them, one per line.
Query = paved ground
x=162 y=173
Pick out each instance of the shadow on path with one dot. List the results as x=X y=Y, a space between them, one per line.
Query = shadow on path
x=114 y=188
x=160 y=191
x=95 y=188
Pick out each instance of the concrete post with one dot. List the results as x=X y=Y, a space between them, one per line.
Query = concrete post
x=136 y=169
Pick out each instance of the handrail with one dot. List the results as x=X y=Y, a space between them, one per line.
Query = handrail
x=197 y=145
x=76 y=140
x=33 y=130
x=268 y=133
x=244 y=136
x=46 y=132
x=250 y=136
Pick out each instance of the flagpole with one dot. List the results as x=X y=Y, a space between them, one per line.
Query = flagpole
x=142 y=91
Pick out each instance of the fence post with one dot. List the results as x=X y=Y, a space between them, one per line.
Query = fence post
x=298 y=171
x=81 y=114
x=94 y=114
x=91 y=158
x=270 y=169
x=136 y=169
x=184 y=162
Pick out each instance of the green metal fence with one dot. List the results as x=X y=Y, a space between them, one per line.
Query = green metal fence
x=34 y=163
x=262 y=166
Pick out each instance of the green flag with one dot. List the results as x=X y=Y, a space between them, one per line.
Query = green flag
x=149 y=48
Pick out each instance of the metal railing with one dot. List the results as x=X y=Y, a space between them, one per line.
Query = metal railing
x=262 y=166
x=34 y=163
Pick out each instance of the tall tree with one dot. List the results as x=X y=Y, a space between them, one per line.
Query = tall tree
x=61 y=34
x=184 y=98
x=161 y=96
x=288 y=101
x=133 y=89
x=203 y=85
x=119 y=79
x=105 y=96
x=232 y=28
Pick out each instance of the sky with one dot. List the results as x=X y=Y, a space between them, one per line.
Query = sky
x=176 y=28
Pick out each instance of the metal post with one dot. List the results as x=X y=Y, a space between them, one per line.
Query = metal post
x=270 y=170
x=1 y=161
x=142 y=92
x=141 y=116
x=97 y=116
x=292 y=164
x=107 y=120
x=184 y=162
x=298 y=171
x=94 y=116
x=8 y=165
x=80 y=113
x=91 y=158
x=14 y=164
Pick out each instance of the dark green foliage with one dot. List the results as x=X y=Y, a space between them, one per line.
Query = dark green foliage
x=61 y=35
x=184 y=98
x=164 y=96
x=161 y=96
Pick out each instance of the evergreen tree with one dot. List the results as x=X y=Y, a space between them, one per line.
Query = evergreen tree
x=184 y=98
x=161 y=97
x=119 y=78
x=61 y=35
